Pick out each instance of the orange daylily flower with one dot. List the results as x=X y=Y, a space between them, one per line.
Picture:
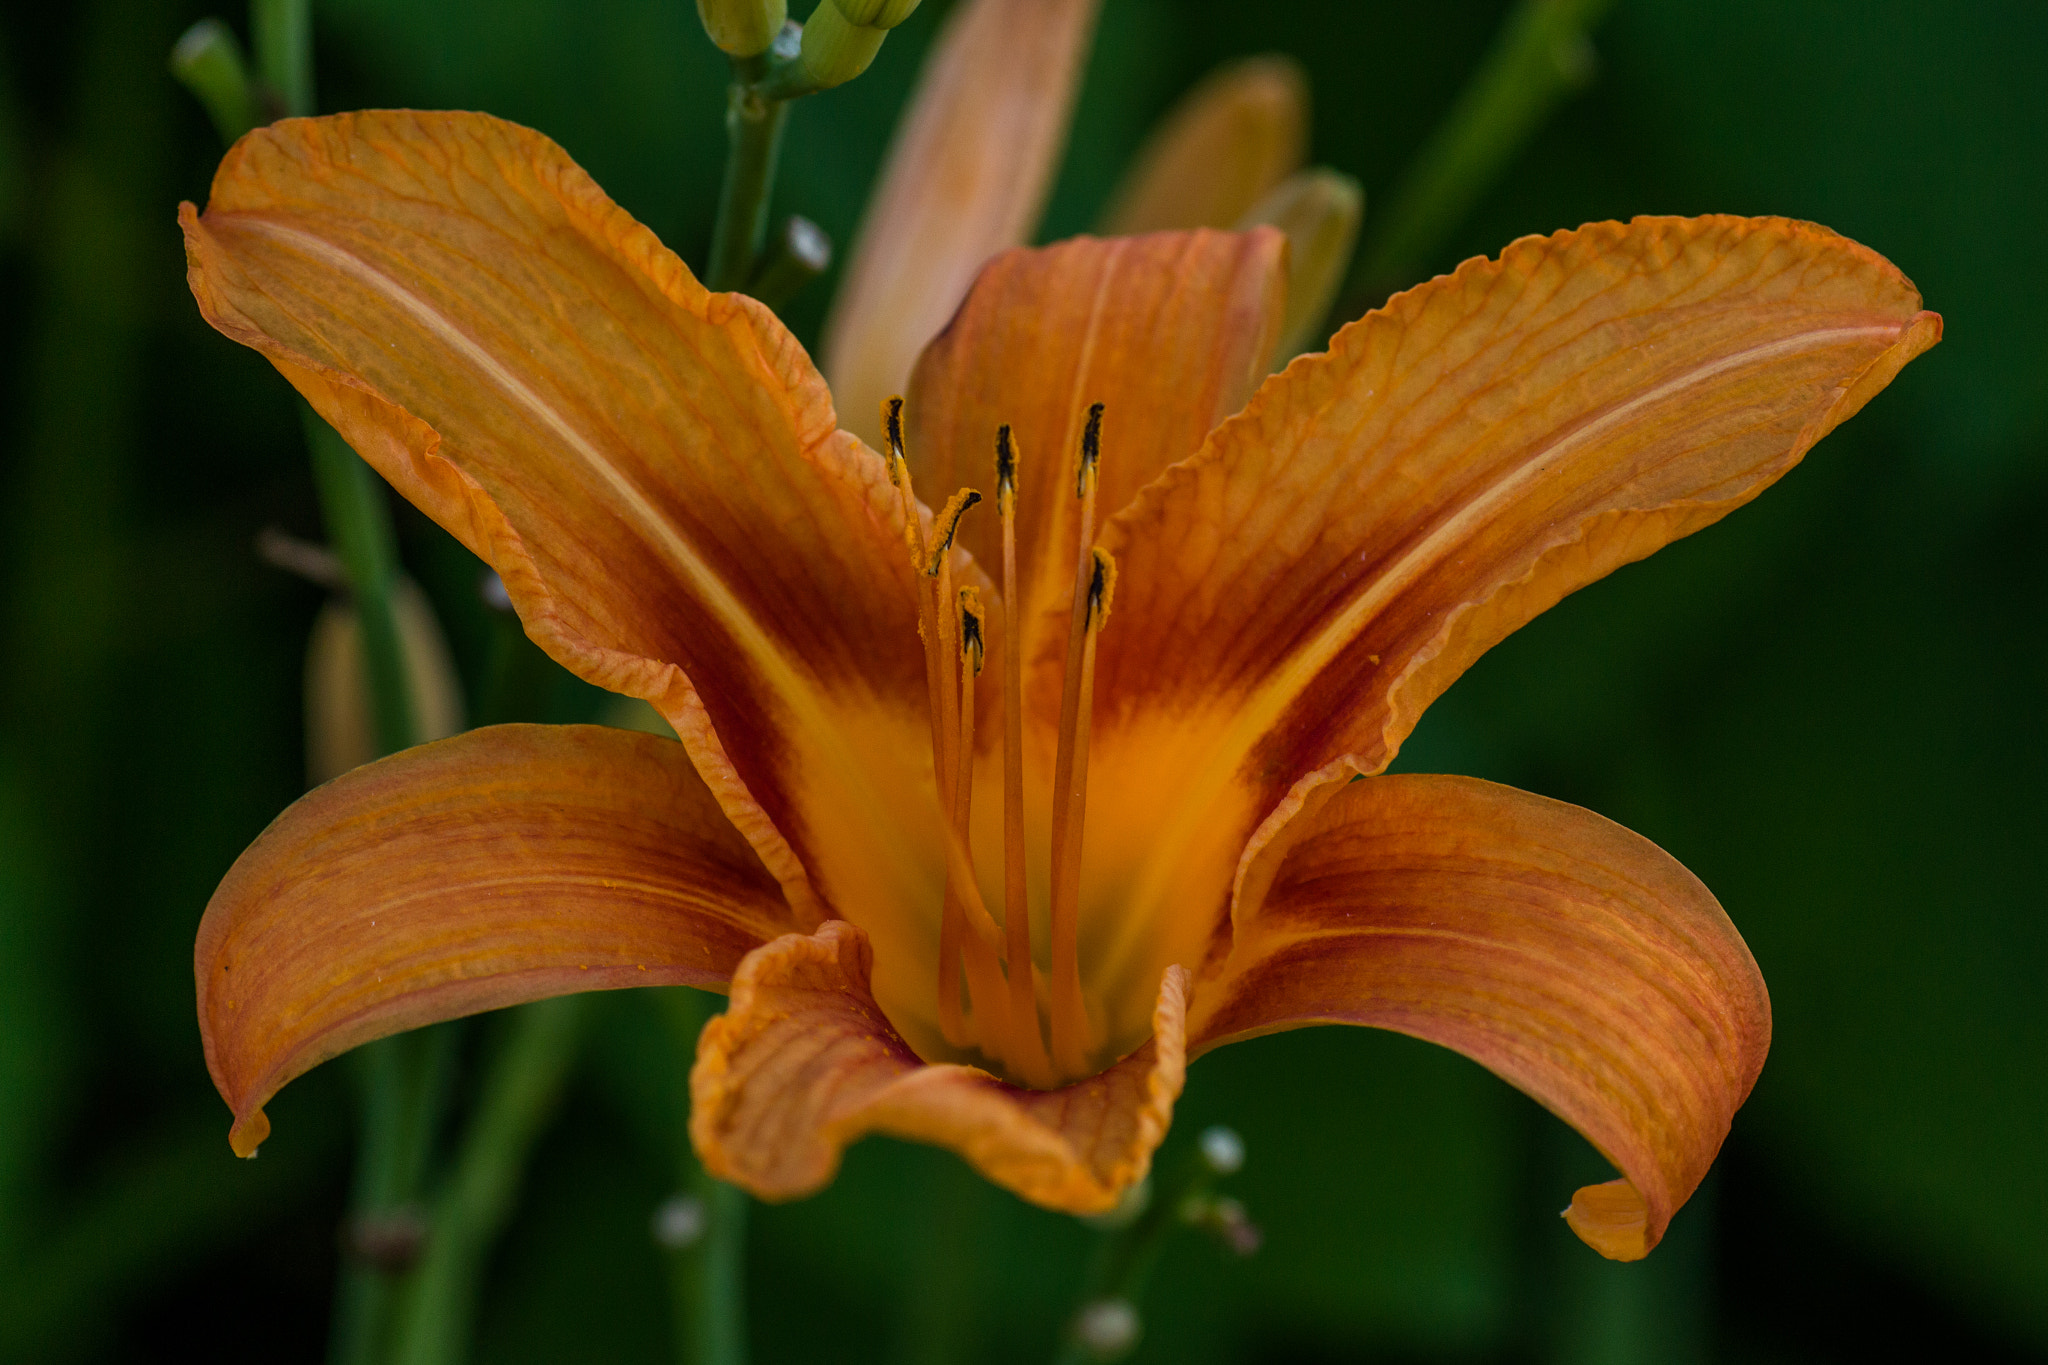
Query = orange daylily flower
x=990 y=819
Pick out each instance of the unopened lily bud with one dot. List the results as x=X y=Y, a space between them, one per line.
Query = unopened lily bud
x=341 y=729
x=835 y=49
x=1319 y=209
x=875 y=13
x=743 y=28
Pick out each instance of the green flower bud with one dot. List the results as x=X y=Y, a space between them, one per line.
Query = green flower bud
x=875 y=13
x=1319 y=210
x=743 y=28
x=835 y=49
x=208 y=61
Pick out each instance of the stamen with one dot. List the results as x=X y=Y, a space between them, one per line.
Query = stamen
x=938 y=688
x=1070 y=1028
x=1031 y=1062
x=980 y=949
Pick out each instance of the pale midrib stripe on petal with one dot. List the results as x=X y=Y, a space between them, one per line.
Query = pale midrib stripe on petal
x=1257 y=715
x=1317 y=654
x=712 y=589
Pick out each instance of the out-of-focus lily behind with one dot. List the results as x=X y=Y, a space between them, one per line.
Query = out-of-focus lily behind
x=990 y=818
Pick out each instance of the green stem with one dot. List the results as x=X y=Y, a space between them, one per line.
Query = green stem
x=357 y=510
x=753 y=130
x=404 y=1082
x=708 y=1276
x=282 y=33
x=522 y=1086
x=1124 y=1260
x=1541 y=55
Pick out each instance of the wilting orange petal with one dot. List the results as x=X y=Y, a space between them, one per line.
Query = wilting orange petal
x=653 y=469
x=500 y=866
x=1170 y=332
x=1232 y=138
x=1292 y=598
x=1576 y=960
x=967 y=174
x=803 y=1063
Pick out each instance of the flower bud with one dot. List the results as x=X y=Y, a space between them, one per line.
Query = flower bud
x=1319 y=210
x=208 y=61
x=1107 y=1329
x=1222 y=1150
x=743 y=28
x=341 y=729
x=679 y=1222
x=835 y=49
x=875 y=13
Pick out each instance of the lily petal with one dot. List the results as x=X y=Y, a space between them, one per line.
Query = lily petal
x=1171 y=332
x=967 y=176
x=1574 y=959
x=1291 y=599
x=803 y=1063
x=1236 y=135
x=503 y=865
x=654 y=470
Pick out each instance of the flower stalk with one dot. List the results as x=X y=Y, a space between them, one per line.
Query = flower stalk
x=436 y=1316
x=753 y=131
x=707 y=1267
x=1542 y=54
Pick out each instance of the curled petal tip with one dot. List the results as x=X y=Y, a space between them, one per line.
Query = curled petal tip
x=1612 y=1219
x=248 y=1132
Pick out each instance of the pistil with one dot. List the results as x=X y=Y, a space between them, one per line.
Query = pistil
x=1016 y=893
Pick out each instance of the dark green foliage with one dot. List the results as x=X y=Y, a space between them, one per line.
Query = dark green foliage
x=1830 y=707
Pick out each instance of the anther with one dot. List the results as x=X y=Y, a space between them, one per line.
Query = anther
x=892 y=424
x=1101 y=587
x=1006 y=463
x=1091 y=451
x=972 y=647
x=945 y=526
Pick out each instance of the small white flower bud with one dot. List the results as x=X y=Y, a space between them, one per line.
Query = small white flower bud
x=1222 y=1149
x=1108 y=1328
x=679 y=1222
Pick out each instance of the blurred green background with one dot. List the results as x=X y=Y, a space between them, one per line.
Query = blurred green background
x=1830 y=707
